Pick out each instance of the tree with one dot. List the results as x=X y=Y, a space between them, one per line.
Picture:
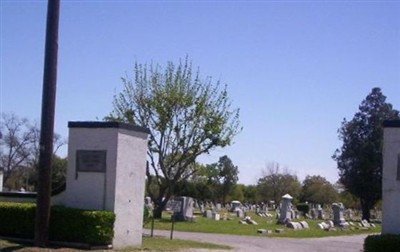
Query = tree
x=187 y=116
x=19 y=152
x=224 y=175
x=274 y=184
x=16 y=146
x=317 y=189
x=251 y=193
x=236 y=193
x=359 y=160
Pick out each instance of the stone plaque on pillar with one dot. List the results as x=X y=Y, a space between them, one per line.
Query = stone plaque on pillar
x=91 y=160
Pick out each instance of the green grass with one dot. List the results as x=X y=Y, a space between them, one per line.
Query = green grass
x=148 y=244
x=204 y=225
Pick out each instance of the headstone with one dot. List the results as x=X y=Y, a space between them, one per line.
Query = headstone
x=338 y=218
x=218 y=206
x=147 y=200
x=304 y=224
x=365 y=224
x=250 y=221
x=240 y=213
x=209 y=214
x=391 y=178
x=349 y=214
x=262 y=231
x=294 y=225
x=314 y=214
x=320 y=214
x=215 y=216
x=213 y=207
x=234 y=206
x=285 y=211
x=202 y=209
x=185 y=211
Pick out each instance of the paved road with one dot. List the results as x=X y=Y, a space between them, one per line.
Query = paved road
x=352 y=243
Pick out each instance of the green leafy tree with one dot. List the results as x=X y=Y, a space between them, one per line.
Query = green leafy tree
x=276 y=183
x=317 y=189
x=224 y=176
x=236 y=193
x=251 y=193
x=187 y=116
x=359 y=160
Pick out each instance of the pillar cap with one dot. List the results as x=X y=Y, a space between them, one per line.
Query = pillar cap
x=287 y=196
x=391 y=123
x=119 y=125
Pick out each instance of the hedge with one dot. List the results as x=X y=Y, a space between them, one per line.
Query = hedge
x=66 y=224
x=382 y=243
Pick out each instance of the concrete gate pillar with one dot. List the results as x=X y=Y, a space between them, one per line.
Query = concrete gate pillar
x=391 y=178
x=106 y=171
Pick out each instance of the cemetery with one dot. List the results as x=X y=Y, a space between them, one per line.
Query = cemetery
x=108 y=195
x=250 y=219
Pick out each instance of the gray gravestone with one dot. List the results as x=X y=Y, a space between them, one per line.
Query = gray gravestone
x=209 y=214
x=240 y=213
x=185 y=210
x=234 y=206
x=285 y=213
x=320 y=214
x=338 y=218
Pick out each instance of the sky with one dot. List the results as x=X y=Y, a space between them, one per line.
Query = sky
x=295 y=69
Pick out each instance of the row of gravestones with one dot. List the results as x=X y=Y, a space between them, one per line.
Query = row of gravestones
x=286 y=213
x=183 y=209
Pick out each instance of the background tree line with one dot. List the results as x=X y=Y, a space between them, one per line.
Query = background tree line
x=271 y=186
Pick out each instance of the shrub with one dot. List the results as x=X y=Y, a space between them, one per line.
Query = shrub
x=66 y=224
x=76 y=225
x=384 y=243
x=303 y=207
x=17 y=219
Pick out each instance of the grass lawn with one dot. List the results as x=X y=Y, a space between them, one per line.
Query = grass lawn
x=232 y=226
x=148 y=244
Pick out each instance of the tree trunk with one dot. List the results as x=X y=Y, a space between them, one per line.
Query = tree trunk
x=157 y=212
x=365 y=207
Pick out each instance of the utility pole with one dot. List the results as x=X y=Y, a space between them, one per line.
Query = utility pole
x=47 y=124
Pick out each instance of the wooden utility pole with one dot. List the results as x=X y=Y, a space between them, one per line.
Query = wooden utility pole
x=47 y=124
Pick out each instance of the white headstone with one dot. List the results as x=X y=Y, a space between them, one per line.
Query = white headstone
x=216 y=216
